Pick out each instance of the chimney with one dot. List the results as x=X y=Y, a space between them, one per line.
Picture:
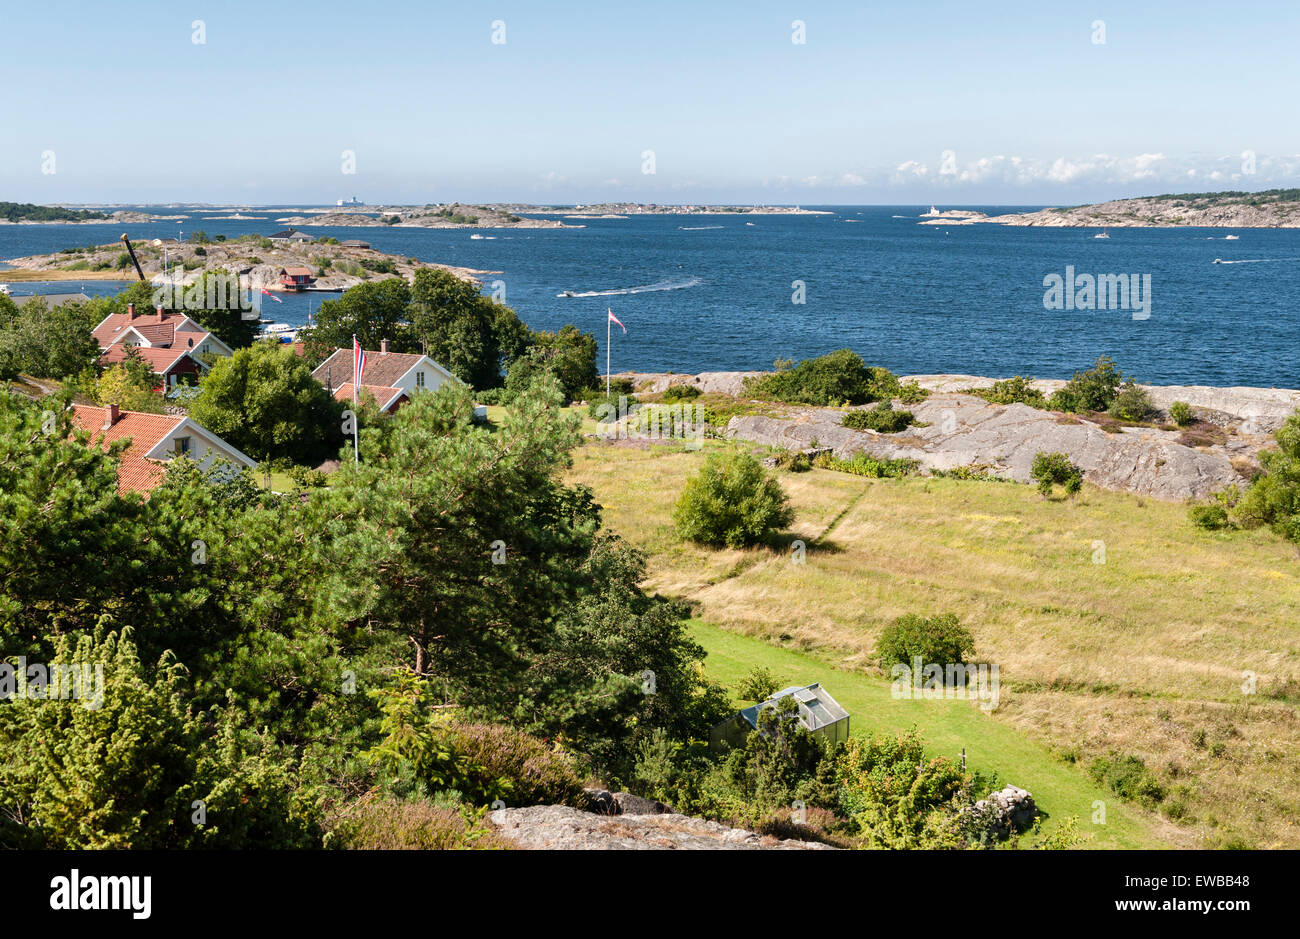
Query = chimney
x=161 y=315
x=111 y=416
x=130 y=311
x=383 y=347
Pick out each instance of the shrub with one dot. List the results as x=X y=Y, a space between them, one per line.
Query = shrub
x=1091 y=390
x=1052 y=468
x=1132 y=403
x=386 y=824
x=882 y=419
x=860 y=464
x=1211 y=516
x=618 y=403
x=1273 y=498
x=836 y=377
x=1017 y=390
x=504 y=763
x=1180 y=412
x=731 y=502
x=1129 y=778
x=937 y=639
x=679 y=393
x=759 y=685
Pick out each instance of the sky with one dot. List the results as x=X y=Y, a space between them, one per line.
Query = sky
x=796 y=102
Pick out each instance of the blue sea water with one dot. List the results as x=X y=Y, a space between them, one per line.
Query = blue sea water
x=713 y=292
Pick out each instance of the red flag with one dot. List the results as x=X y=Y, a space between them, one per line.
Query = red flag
x=271 y=295
x=358 y=362
x=614 y=319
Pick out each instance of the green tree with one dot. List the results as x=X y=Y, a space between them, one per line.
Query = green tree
x=940 y=640
x=731 y=502
x=569 y=355
x=458 y=326
x=372 y=312
x=264 y=401
x=126 y=764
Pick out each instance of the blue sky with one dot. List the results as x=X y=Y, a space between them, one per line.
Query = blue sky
x=957 y=103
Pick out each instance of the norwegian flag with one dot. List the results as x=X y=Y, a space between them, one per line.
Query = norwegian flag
x=358 y=362
x=614 y=319
x=271 y=295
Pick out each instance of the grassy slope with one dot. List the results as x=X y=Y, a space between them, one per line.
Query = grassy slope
x=1142 y=654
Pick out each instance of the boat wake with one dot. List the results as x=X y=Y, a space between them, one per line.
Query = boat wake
x=646 y=288
x=1256 y=261
x=698 y=227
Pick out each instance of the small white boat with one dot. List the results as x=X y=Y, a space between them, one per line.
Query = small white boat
x=1231 y=237
x=1101 y=234
x=566 y=293
x=1218 y=260
x=750 y=224
x=4 y=289
x=280 y=332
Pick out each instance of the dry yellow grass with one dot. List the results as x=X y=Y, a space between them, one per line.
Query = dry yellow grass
x=1116 y=624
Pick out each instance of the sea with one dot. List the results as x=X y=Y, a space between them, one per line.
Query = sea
x=738 y=292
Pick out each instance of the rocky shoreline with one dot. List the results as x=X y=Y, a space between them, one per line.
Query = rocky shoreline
x=963 y=430
x=1218 y=210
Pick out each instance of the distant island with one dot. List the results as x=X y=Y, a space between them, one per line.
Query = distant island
x=326 y=264
x=26 y=212
x=1272 y=208
x=624 y=209
x=452 y=215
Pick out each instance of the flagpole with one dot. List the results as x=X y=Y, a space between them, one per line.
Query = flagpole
x=356 y=429
x=608 y=324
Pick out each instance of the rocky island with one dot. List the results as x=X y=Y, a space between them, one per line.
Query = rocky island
x=453 y=215
x=1273 y=208
x=334 y=266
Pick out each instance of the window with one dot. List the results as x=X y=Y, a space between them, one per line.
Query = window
x=182 y=446
x=419 y=379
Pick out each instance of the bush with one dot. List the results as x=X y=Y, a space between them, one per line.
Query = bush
x=507 y=764
x=936 y=639
x=836 y=377
x=679 y=393
x=860 y=464
x=1091 y=390
x=731 y=502
x=385 y=824
x=1129 y=778
x=1211 y=517
x=1017 y=390
x=759 y=685
x=1180 y=412
x=1273 y=498
x=882 y=419
x=617 y=403
x=1131 y=403
x=1052 y=468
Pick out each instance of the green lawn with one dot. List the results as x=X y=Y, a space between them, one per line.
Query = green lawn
x=1059 y=789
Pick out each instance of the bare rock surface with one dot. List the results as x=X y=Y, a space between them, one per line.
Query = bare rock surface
x=1265 y=408
x=1003 y=439
x=731 y=383
x=561 y=828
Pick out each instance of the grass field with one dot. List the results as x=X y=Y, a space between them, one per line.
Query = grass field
x=1117 y=626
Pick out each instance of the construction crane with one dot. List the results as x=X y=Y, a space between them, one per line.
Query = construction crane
x=131 y=251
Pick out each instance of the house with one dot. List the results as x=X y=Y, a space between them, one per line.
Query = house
x=295 y=278
x=390 y=377
x=354 y=243
x=819 y=714
x=174 y=366
x=388 y=399
x=160 y=330
x=155 y=439
x=291 y=235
